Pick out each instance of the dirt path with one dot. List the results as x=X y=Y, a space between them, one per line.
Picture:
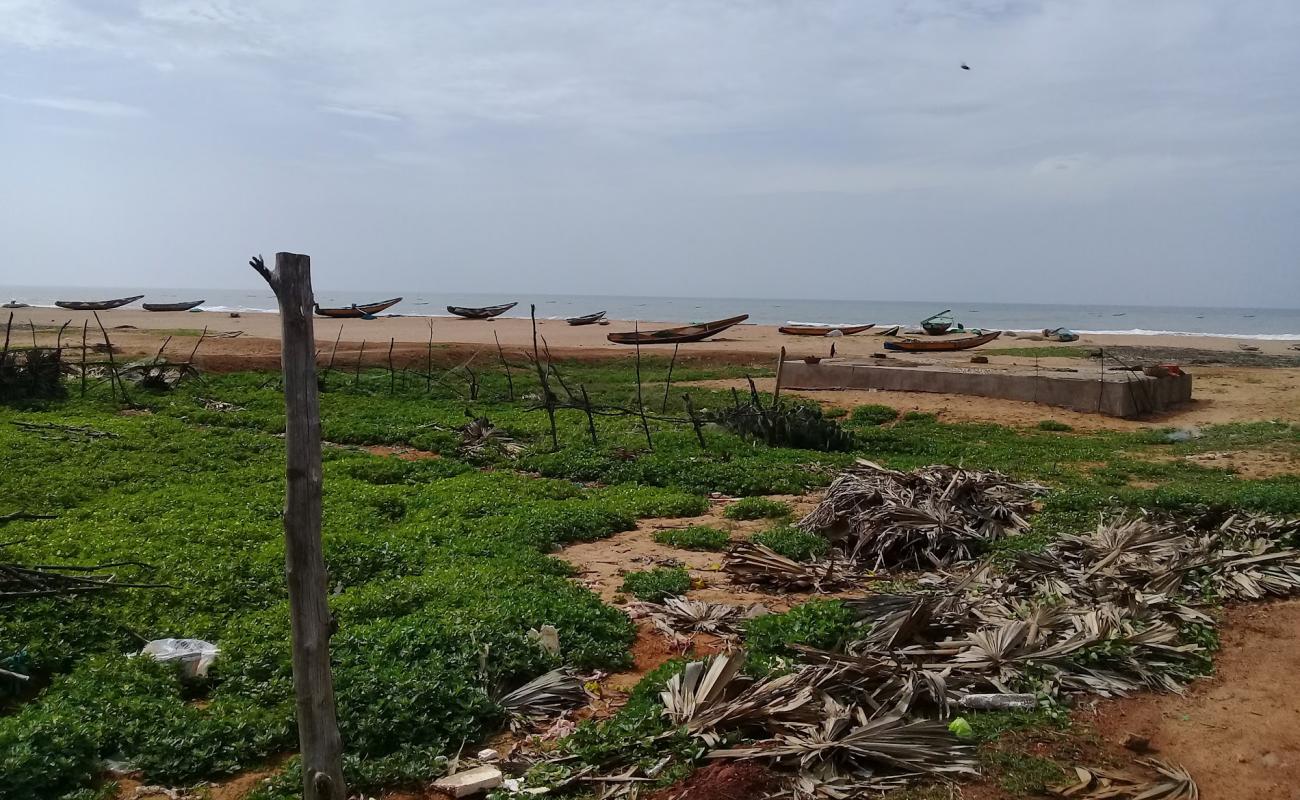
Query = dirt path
x=1239 y=732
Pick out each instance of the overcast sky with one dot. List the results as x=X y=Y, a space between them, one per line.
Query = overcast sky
x=1097 y=150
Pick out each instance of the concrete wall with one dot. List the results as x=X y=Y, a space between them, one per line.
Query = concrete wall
x=1116 y=395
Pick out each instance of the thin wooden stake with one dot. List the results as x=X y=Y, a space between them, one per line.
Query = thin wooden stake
x=4 y=354
x=85 y=326
x=510 y=383
x=356 y=378
x=695 y=422
x=335 y=351
x=669 y=383
x=428 y=367
x=780 y=366
x=392 y=376
x=591 y=421
x=546 y=385
x=35 y=346
x=112 y=365
x=318 y=730
x=640 y=406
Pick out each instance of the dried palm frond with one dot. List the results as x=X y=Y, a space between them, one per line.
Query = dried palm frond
x=700 y=616
x=1093 y=783
x=544 y=697
x=479 y=436
x=755 y=564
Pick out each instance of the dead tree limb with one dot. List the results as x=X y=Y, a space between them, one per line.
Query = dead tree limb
x=510 y=383
x=695 y=421
x=548 y=397
x=591 y=420
x=113 y=381
x=318 y=730
x=669 y=382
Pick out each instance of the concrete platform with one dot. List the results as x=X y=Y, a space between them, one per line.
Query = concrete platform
x=1113 y=393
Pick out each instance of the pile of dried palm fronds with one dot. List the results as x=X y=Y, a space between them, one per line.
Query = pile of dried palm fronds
x=930 y=517
x=820 y=721
x=1093 y=783
x=157 y=375
x=480 y=437
x=544 y=697
x=30 y=372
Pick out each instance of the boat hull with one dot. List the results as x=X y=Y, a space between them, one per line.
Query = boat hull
x=172 y=306
x=922 y=346
x=486 y=312
x=824 y=330
x=356 y=312
x=681 y=335
x=95 y=305
x=589 y=319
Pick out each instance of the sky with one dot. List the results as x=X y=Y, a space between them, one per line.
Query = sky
x=1096 y=151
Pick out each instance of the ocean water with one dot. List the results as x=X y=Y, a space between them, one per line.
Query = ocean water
x=1246 y=323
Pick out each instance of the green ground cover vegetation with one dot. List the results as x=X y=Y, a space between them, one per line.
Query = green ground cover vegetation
x=439 y=567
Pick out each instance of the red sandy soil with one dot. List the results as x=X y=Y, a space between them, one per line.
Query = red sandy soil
x=736 y=780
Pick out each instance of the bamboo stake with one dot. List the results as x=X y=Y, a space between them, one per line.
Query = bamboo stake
x=669 y=383
x=546 y=386
x=335 y=351
x=318 y=731
x=356 y=378
x=695 y=422
x=85 y=325
x=591 y=421
x=640 y=406
x=510 y=383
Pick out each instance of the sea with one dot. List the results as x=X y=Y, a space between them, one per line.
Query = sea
x=1236 y=323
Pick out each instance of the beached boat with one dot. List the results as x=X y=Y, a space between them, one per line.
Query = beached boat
x=15 y=304
x=942 y=345
x=95 y=305
x=824 y=330
x=589 y=319
x=938 y=324
x=486 y=312
x=686 y=333
x=1060 y=335
x=355 y=311
x=888 y=331
x=182 y=306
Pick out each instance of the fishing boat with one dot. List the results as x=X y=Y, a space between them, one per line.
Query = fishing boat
x=824 y=330
x=589 y=319
x=938 y=324
x=15 y=304
x=95 y=305
x=941 y=346
x=686 y=333
x=486 y=312
x=1060 y=335
x=355 y=311
x=182 y=306
x=888 y=331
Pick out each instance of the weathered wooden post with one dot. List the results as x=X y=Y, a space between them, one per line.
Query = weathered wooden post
x=313 y=685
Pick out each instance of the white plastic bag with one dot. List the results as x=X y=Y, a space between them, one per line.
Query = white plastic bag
x=195 y=655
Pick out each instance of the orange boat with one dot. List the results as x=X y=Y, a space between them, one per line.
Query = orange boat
x=824 y=330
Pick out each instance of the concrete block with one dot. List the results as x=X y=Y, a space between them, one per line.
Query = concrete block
x=470 y=782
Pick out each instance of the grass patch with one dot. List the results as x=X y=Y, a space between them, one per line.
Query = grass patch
x=793 y=543
x=1053 y=425
x=818 y=623
x=758 y=508
x=655 y=585
x=873 y=414
x=696 y=537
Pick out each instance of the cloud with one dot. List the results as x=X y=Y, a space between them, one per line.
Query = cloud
x=78 y=105
x=361 y=113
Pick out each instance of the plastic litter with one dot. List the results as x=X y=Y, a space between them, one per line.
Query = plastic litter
x=194 y=655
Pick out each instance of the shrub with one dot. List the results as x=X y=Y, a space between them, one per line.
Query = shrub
x=757 y=508
x=794 y=543
x=656 y=584
x=785 y=426
x=923 y=417
x=696 y=537
x=835 y=412
x=874 y=414
x=1053 y=425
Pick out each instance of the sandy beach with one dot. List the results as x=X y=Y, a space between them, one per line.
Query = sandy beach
x=135 y=329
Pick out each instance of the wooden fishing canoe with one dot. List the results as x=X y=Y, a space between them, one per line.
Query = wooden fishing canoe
x=95 y=305
x=355 y=311
x=182 y=306
x=589 y=319
x=824 y=330
x=686 y=333
x=486 y=312
x=942 y=345
x=889 y=331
